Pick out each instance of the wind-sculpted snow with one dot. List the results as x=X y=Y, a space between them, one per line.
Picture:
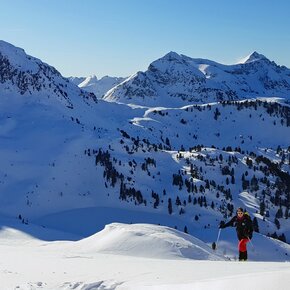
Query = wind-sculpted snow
x=150 y=241
x=158 y=263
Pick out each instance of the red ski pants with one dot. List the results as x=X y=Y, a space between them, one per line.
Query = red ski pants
x=243 y=245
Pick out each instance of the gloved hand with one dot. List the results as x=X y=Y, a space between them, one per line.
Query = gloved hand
x=222 y=225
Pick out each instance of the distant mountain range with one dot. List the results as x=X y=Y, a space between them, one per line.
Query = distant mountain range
x=182 y=144
x=97 y=86
x=177 y=80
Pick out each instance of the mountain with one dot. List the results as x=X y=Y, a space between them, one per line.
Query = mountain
x=101 y=86
x=76 y=80
x=45 y=122
x=25 y=75
x=178 y=80
x=253 y=57
x=74 y=163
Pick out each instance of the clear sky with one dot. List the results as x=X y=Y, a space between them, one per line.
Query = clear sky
x=121 y=37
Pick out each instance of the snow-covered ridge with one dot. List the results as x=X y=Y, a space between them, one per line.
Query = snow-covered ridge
x=18 y=58
x=176 y=80
x=26 y=75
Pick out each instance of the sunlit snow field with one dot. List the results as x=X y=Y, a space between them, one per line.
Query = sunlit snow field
x=127 y=256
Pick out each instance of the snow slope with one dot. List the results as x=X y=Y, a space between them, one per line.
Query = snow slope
x=75 y=163
x=86 y=221
x=137 y=239
x=83 y=265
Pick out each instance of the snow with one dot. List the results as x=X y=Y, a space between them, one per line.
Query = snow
x=73 y=222
x=254 y=56
x=85 y=222
x=76 y=80
x=101 y=86
x=137 y=239
x=106 y=261
x=176 y=80
x=18 y=57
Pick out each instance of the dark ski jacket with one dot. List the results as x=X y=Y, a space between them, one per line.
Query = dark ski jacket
x=244 y=226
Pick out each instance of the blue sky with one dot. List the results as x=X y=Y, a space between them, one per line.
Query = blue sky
x=121 y=37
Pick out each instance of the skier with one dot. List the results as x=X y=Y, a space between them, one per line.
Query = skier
x=244 y=228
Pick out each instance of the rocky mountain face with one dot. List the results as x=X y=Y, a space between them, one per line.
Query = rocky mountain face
x=25 y=75
x=177 y=80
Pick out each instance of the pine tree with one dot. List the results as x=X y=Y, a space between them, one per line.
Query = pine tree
x=249 y=162
x=216 y=113
x=282 y=238
x=169 y=206
x=277 y=223
x=233 y=179
x=286 y=213
x=255 y=225
x=182 y=211
x=254 y=183
x=279 y=213
x=189 y=199
x=262 y=208
x=178 y=202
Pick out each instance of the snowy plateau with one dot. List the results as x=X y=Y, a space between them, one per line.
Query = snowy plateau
x=122 y=183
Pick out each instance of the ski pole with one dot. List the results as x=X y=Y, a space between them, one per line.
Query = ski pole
x=218 y=237
x=251 y=242
x=252 y=245
x=217 y=240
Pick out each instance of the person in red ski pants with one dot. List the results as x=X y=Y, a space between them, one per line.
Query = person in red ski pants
x=244 y=228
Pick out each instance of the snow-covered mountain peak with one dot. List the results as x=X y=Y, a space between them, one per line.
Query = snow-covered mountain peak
x=76 y=80
x=88 y=81
x=172 y=56
x=26 y=75
x=254 y=56
x=17 y=57
x=172 y=64
x=99 y=86
x=178 y=80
